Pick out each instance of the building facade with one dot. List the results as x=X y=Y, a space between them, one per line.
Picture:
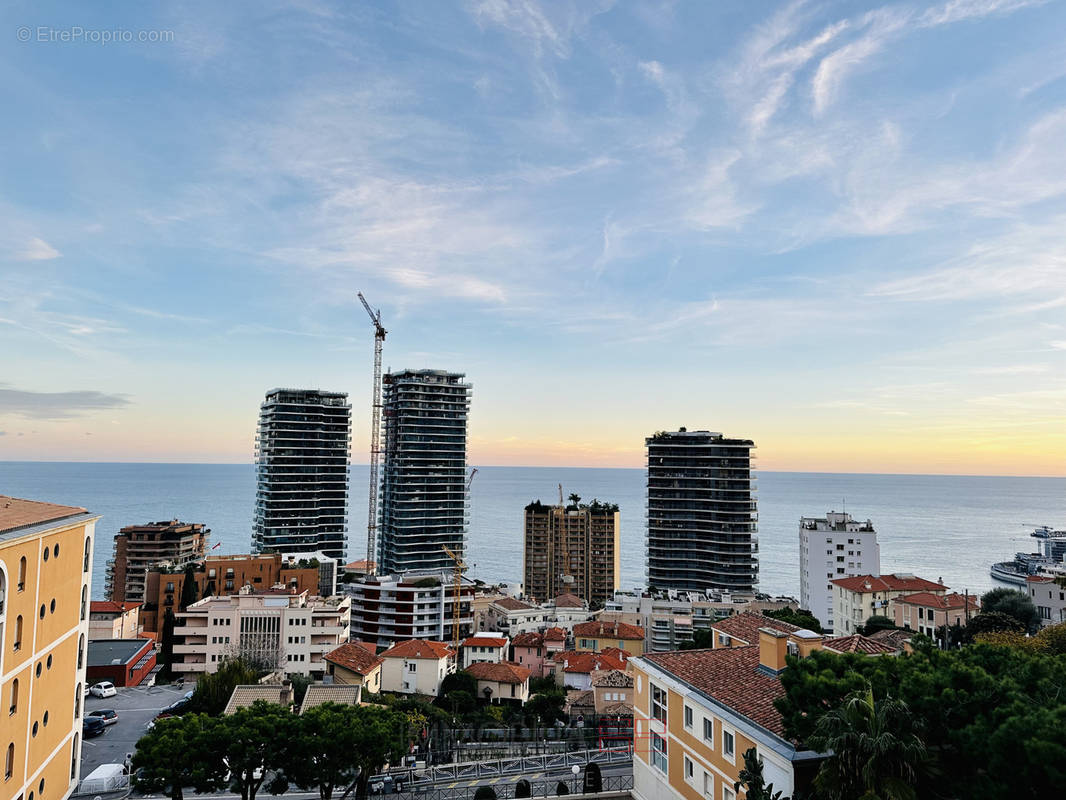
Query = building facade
x=574 y=549
x=835 y=546
x=927 y=613
x=860 y=597
x=1048 y=597
x=355 y=664
x=124 y=662
x=423 y=479
x=597 y=635
x=140 y=548
x=273 y=629
x=416 y=666
x=302 y=447
x=702 y=516
x=109 y=620
x=46 y=555
x=387 y=609
x=225 y=575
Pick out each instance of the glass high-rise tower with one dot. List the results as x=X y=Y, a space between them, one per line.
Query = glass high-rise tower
x=423 y=481
x=302 y=448
x=702 y=515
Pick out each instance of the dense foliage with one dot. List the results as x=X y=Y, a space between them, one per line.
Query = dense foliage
x=875 y=623
x=1013 y=603
x=992 y=717
x=801 y=618
x=213 y=689
x=752 y=781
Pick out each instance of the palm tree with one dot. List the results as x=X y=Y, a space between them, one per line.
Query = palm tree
x=877 y=753
x=574 y=498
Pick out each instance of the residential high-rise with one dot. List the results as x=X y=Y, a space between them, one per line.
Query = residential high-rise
x=387 y=609
x=573 y=549
x=302 y=448
x=835 y=546
x=702 y=517
x=46 y=554
x=423 y=480
x=139 y=548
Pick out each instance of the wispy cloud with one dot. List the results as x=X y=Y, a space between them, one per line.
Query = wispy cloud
x=58 y=405
x=37 y=250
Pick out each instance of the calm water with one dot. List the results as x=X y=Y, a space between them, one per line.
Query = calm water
x=935 y=526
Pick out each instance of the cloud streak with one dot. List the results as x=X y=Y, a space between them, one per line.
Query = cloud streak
x=58 y=405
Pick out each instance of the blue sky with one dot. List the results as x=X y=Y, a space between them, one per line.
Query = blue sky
x=837 y=228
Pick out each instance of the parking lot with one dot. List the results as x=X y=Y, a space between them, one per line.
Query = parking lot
x=135 y=707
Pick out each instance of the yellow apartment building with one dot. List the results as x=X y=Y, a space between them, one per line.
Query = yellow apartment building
x=596 y=636
x=45 y=574
x=697 y=712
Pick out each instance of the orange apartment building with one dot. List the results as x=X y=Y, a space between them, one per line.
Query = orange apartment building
x=221 y=576
x=45 y=575
x=139 y=548
x=573 y=548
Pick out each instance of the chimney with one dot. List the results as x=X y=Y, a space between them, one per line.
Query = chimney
x=773 y=647
x=285 y=697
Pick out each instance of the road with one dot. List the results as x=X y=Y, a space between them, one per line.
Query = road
x=135 y=707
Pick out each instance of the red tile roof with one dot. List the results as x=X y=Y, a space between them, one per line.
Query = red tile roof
x=587 y=663
x=858 y=644
x=418 y=648
x=512 y=604
x=484 y=641
x=888 y=583
x=944 y=602
x=569 y=600
x=504 y=672
x=744 y=627
x=555 y=635
x=528 y=640
x=355 y=657
x=108 y=607
x=18 y=513
x=609 y=630
x=1039 y=579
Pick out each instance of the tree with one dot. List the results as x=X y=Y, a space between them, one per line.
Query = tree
x=876 y=750
x=875 y=623
x=326 y=748
x=523 y=788
x=485 y=793
x=1014 y=603
x=213 y=690
x=701 y=640
x=752 y=781
x=382 y=736
x=188 y=588
x=299 y=685
x=179 y=752
x=991 y=622
x=542 y=685
x=547 y=705
x=593 y=782
x=801 y=618
x=166 y=641
x=256 y=741
x=574 y=499
x=561 y=788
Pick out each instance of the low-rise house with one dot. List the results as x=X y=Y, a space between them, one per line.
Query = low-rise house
x=597 y=636
x=859 y=597
x=124 y=662
x=528 y=650
x=899 y=641
x=355 y=664
x=927 y=612
x=1048 y=597
x=554 y=640
x=318 y=693
x=110 y=620
x=857 y=643
x=502 y=682
x=613 y=692
x=484 y=648
x=742 y=630
x=573 y=669
x=697 y=712
x=567 y=610
x=246 y=695
x=416 y=666
x=513 y=616
x=579 y=703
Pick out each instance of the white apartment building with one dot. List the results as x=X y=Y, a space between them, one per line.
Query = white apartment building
x=288 y=632
x=858 y=597
x=416 y=666
x=1048 y=597
x=387 y=609
x=831 y=547
x=484 y=648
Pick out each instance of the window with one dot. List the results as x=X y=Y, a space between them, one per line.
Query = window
x=412 y=667
x=14 y=696
x=18 y=633
x=9 y=761
x=728 y=794
x=88 y=552
x=688 y=718
x=22 y=576
x=658 y=703
x=690 y=770
x=84 y=601
x=658 y=752
x=708 y=731
x=708 y=785
x=727 y=744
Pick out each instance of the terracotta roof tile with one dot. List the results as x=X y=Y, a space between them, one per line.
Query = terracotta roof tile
x=858 y=644
x=513 y=604
x=418 y=648
x=887 y=583
x=613 y=678
x=503 y=672
x=609 y=630
x=109 y=607
x=18 y=513
x=354 y=656
x=944 y=602
x=528 y=640
x=485 y=641
x=555 y=635
x=569 y=600
x=731 y=676
x=744 y=627
x=585 y=663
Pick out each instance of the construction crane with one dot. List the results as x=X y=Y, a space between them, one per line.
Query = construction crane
x=375 y=438
x=457 y=570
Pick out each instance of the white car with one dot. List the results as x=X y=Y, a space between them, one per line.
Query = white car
x=103 y=689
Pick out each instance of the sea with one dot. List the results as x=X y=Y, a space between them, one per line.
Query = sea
x=936 y=526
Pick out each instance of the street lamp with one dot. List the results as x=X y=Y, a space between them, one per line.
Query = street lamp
x=575 y=770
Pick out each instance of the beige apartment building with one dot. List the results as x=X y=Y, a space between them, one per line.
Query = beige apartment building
x=109 y=620
x=859 y=597
x=572 y=549
x=45 y=579
x=139 y=548
x=291 y=633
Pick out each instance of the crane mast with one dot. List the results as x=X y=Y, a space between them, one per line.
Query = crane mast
x=457 y=586
x=375 y=439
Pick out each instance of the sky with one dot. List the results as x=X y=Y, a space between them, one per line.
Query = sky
x=838 y=229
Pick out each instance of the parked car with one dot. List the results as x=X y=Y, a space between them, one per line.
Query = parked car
x=108 y=715
x=103 y=689
x=174 y=708
x=92 y=726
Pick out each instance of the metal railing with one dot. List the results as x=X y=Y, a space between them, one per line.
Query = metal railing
x=544 y=787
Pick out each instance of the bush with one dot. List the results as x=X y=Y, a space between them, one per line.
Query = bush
x=561 y=788
x=523 y=789
x=1013 y=603
x=485 y=793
